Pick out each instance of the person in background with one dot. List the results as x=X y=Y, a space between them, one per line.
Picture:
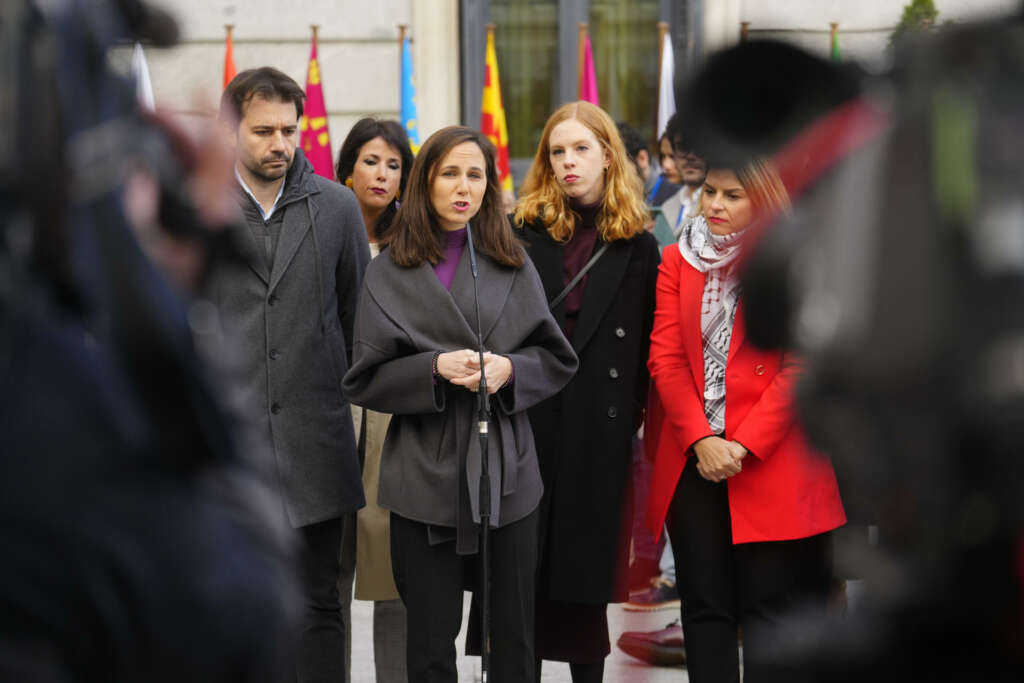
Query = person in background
x=666 y=160
x=656 y=188
x=417 y=356
x=291 y=308
x=749 y=505
x=582 y=216
x=691 y=168
x=374 y=162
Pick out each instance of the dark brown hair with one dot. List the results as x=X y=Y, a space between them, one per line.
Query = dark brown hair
x=265 y=82
x=416 y=236
x=393 y=134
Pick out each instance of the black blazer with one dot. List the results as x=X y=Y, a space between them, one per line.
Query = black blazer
x=584 y=433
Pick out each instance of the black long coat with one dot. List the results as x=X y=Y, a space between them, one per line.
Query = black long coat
x=584 y=433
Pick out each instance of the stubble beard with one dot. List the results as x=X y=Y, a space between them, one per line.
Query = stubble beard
x=273 y=176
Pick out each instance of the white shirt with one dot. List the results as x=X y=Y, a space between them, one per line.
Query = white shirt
x=268 y=214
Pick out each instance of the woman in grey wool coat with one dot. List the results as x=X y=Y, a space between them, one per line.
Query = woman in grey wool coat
x=415 y=356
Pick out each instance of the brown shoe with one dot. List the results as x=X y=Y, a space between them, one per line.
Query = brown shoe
x=660 y=648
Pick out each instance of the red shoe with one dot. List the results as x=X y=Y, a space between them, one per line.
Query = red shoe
x=660 y=648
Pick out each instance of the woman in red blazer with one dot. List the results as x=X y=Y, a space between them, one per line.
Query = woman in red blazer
x=747 y=503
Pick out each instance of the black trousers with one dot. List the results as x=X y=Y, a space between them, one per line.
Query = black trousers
x=761 y=588
x=431 y=580
x=321 y=653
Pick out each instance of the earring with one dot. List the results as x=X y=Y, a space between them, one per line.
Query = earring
x=348 y=182
x=398 y=194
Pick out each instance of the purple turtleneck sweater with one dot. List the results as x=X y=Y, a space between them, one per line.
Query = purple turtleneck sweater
x=575 y=254
x=454 y=241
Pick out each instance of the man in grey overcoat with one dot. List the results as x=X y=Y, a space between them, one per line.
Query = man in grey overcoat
x=292 y=308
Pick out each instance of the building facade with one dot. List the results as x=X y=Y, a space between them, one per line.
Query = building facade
x=536 y=41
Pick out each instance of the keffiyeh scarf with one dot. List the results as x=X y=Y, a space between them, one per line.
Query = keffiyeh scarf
x=715 y=256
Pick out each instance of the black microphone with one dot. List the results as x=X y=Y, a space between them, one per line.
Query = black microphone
x=483 y=415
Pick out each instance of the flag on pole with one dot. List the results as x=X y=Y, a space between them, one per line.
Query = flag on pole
x=229 y=58
x=666 y=86
x=315 y=139
x=408 y=115
x=835 y=43
x=140 y=74
x=588 y=80
x=492 y=112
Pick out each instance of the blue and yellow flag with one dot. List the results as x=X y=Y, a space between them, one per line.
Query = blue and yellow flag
x=408 y=114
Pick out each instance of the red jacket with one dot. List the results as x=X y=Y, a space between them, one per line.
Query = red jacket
x=786 y=490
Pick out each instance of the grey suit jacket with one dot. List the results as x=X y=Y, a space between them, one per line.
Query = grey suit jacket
x=430 y=468
x=294 y=324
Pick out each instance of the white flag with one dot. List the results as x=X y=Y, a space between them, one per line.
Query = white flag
x=666 y=87
x=140 y=73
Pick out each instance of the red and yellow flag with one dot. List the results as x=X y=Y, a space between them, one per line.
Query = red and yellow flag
x=492 y=112
x=229 y=58
x=315 y=139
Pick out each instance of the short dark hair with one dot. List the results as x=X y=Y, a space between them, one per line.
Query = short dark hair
x=415 y=236
x=632 y=139
x=677 y=137
x=265 y=82
x=391 y=132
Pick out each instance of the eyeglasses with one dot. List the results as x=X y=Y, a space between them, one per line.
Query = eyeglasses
x=683 y=155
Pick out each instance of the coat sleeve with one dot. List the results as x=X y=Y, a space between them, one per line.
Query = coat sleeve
x=651 y=259
x=669 y=367
x=351 y=266
x=544 y=361
x=388 y=374
x=773 y=415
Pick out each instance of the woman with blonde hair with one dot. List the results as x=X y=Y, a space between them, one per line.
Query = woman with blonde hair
x=748 y=504
x=582 y=217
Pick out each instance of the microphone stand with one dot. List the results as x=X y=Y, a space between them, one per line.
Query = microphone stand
x=483 y=416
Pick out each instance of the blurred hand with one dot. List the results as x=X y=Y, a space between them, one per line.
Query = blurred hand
x=718 y=459
x=456 y=366
x=497 y=370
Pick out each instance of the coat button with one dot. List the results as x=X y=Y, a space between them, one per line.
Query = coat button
x=274 y=354
x=612 y=412
x=275 y=408
x=613 y=373
x=273 y=299
x=759 y=369
x=619 y=332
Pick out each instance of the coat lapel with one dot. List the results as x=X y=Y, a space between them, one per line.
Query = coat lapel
x=297 y=221
x=253 y=255
x=546 y=255
x=691 y=292
x=494 y=284
x=603 y=282
x=739 y=331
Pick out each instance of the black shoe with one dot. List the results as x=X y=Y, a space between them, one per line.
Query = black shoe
x=660 y=648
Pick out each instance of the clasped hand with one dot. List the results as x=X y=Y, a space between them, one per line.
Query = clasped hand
x=718 y=459
x=463 y=368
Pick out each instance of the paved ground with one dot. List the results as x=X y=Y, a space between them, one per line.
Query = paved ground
x=619 y=668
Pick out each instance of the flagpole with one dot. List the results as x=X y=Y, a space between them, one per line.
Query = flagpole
x=401 y=46
x=229 y=53
x=581 y=56
x=662 y=33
